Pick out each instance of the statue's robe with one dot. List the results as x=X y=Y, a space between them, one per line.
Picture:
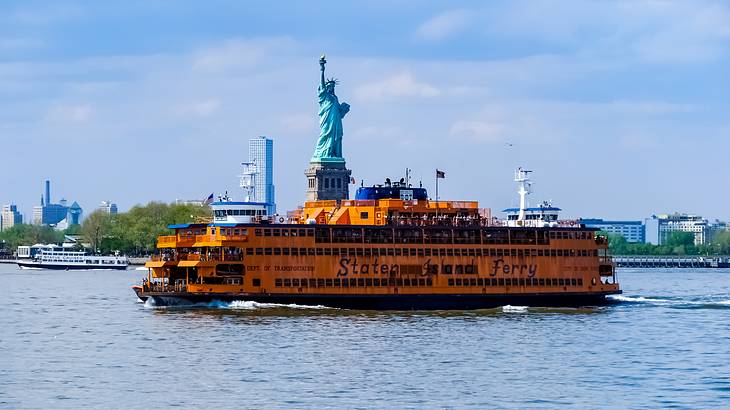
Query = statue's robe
x=329 y=144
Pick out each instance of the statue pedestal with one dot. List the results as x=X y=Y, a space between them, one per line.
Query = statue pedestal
x=327 y=180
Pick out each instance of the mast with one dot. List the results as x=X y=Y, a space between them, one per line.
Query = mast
x=248 y=180
x=522 y=178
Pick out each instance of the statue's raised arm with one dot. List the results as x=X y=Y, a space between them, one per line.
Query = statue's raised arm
x=322 y=62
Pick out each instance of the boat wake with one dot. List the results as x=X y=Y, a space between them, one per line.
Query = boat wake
x=514 y=309
x=250 y=305
x=707 y=302
x=235 y=305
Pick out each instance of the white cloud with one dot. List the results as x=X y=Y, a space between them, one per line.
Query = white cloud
x=644 y=31
x=70 y=114
x=19 y=43
x=445 y=24
x=397 y=86
x=238 y=55
x=478 y=130
x=638 y=142
x=199 y=108
x=299 y=123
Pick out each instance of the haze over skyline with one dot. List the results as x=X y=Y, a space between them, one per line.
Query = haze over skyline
x=620 y=107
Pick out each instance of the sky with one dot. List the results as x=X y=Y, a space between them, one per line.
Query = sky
x=619 y=107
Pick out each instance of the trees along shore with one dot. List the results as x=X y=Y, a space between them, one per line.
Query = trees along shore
x=677 y=243
x=133 y=232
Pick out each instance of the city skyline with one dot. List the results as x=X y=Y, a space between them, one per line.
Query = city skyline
x=619 y=107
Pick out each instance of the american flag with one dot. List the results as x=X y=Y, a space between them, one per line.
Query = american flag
x=208 y=200
x=440 y=174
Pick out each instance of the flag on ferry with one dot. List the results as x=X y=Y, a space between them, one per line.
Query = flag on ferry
x=440 y=174
x=208 y=200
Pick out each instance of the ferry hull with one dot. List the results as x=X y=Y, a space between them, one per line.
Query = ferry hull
x=36 y=265
x=387 y=302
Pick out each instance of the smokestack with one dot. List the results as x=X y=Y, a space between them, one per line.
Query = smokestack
x=48 y=192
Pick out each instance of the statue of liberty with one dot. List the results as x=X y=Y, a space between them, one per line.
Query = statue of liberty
x=329 y=144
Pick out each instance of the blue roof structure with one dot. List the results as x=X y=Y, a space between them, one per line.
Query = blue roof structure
x=241 y=203
x=536 y=209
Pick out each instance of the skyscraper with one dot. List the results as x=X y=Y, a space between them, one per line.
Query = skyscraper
x=108 y=207
x=261 y=152
x=10 y=217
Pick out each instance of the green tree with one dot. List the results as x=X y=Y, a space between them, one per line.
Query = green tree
x=26 y=234
x=95 y=228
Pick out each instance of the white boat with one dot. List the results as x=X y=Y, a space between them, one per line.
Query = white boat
x=57 y=257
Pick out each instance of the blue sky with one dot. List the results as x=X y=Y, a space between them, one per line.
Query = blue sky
x=621 y=107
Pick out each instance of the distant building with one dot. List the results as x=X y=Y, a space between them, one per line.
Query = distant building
x=261 y=153
x=38 y=214
x=108 y=207
x=198 y=202
x=676 y=222
x=632 y=231
x=52 y=214
x=10 y=217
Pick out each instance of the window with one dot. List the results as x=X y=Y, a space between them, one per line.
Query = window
x=277 y=283
x=363 y=215
x=256 y=282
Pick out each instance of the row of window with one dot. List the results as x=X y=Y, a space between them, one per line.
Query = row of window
x=408 y=235
x=351 y=282
x=239 y=212
x=380 y=282
x=417 y=235
x=515 y=282
x=492 y=252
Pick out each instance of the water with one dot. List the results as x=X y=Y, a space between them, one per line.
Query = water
x=81 y=339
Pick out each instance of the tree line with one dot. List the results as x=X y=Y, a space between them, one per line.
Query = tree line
x=133 y=232
x=677 y=243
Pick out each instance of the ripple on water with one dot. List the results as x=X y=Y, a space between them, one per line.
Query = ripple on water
x=662 y=343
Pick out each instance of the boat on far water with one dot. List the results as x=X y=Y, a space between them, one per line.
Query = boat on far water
x=60 y=258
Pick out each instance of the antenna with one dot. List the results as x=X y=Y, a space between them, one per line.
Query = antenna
x=522 y=177
x=248 y=180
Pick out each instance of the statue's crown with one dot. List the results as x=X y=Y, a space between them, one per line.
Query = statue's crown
x=332 y=81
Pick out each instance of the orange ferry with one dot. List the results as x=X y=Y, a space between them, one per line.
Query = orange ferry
x=389 y=248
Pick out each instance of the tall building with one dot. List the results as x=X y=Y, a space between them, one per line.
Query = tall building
x=10 y=217
x=38 y=214
x=261 y=153
x=632 y=231
x=49 y=213
x=108 y=207
x=676 y=222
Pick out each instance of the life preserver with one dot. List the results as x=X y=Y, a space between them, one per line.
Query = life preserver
x=572 y=223
x=281 y=219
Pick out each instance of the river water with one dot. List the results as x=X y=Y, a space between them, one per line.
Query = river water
x=80 y=339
